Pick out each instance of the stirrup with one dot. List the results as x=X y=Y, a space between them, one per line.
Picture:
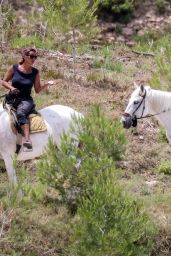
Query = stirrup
x=27 y=145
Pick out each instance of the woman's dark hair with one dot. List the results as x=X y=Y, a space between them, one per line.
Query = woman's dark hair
x=26 y=52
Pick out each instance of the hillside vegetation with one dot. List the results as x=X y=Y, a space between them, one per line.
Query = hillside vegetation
x=111 y=196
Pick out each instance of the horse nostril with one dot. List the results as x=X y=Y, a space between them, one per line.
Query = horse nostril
x=126 y=114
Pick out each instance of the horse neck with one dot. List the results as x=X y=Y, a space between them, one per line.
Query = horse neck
x=159 y=101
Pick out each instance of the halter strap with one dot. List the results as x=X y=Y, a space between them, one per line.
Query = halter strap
x=143 y=100
x=164 y=111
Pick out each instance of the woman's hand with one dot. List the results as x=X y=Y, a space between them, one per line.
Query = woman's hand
x=14 y=91
x=51 y=82
x=42 y=85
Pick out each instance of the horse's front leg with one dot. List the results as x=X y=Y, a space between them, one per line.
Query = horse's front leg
x=10 y=169
x=168 y=135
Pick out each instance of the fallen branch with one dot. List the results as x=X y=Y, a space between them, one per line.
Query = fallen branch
x=144 y=53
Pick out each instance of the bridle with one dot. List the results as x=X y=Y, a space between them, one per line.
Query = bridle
x=139 y=105
x=143 y=101
x=133 y=116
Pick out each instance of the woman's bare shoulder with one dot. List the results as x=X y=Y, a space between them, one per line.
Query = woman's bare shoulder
x=10 y=69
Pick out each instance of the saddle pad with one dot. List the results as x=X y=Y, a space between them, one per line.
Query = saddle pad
x=37 y=123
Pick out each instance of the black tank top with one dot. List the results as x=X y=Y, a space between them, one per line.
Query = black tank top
x=23 y=82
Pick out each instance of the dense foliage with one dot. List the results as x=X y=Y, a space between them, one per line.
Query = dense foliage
x=72 y=169
x=120 y=9
x=111 y=223
x=108 y=221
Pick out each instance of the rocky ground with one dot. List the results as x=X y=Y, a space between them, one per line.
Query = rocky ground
x=111 y=89
x=146 y=17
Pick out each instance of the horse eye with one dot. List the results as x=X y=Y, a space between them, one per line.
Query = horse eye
x=136 y=102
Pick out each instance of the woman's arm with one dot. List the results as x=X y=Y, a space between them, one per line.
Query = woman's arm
x=8 y=75
x=38 y=86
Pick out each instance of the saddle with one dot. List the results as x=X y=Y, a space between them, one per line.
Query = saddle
x=37 y=124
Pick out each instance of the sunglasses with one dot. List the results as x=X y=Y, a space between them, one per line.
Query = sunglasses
x=32 y=56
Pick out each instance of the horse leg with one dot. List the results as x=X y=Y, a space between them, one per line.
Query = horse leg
x=168 y=136
x=10 y=169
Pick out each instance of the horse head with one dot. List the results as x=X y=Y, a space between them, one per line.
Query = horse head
x=137 y=107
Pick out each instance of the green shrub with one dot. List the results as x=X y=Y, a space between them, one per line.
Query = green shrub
x=155 y=81
x=155 y=40
x=18 y=42
x=102 y=142
x=8 y=21
x=122 y=9
x=95 y=76
x=160 y=44
x=107 y=62
x=53 y=74
x=111 y=223
x=109 y=65
x=162 y=135
x=165 y=168
x=161 y=5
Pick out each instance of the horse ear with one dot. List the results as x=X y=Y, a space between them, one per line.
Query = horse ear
x=142 y=89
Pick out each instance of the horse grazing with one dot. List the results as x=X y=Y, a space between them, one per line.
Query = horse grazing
x=58 y=119
x=147 y=102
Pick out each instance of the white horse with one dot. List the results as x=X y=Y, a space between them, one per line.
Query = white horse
x=57 y=118
x=146 y=102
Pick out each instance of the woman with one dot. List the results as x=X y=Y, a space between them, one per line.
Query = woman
x=19 y=79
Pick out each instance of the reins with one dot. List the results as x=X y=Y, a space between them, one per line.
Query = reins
x=154 y=114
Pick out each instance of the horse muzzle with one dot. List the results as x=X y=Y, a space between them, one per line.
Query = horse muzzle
x=127 y=121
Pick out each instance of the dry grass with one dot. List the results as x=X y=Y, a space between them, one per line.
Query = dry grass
x=144 y=152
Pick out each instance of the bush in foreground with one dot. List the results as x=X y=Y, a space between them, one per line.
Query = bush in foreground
x=111 y=223
x=72 y=169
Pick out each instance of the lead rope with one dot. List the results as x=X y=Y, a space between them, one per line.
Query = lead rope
x=154 y=114
x=164 y=111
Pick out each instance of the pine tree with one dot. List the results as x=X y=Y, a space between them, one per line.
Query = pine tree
x=71 y=15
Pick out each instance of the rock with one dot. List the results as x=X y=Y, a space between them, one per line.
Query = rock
x=140 y=33
x=110 y=28
x=141 y=138
x=151 y=183
x=128 y=32
x=99 y=37
x=139 y=22
x=121 y=39
x=152 y=19
x=130 y=43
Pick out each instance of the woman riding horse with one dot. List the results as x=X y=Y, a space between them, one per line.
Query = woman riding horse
x=23 y=77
